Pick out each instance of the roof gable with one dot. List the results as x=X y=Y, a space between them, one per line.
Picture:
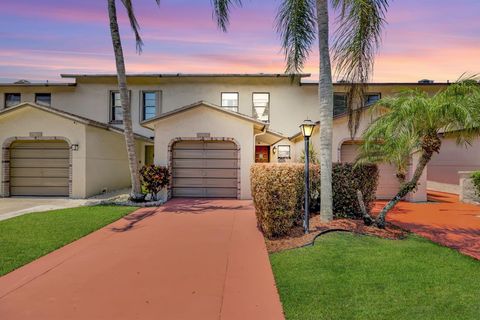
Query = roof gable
x=67 y=115
x=150 y=123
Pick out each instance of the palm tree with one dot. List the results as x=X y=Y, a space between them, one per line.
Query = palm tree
x=412 y=123
x=221 y=10
x=357 y=37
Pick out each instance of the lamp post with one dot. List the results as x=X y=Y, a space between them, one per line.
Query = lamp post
x=307 y=129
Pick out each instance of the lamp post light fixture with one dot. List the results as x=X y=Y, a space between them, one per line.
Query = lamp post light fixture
x=307 y=129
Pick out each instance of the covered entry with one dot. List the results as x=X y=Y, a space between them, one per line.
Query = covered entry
x=39 y=168
x=206 y=169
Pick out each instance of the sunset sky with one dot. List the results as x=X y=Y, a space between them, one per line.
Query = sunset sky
x=434 y=39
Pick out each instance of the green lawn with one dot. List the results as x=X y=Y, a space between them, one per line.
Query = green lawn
x=28 y=237
x=347 y=276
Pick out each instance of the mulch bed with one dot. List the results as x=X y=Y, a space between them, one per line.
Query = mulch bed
x=297 y=238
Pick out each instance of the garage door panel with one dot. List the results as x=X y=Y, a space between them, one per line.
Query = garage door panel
x=39 y=168
x=225 y=145
x=205 y=182
x=207 y=173
x=189 y=145
x=205 y=169
x=39 y=172
x=202 y=163
x=54 y=144
x=221 y=192
x=38 y=163
x=39 y=182
x=205 y=154
x=44 y=191
x=40 y=153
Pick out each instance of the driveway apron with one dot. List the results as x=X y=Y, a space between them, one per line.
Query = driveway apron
x=190 y=259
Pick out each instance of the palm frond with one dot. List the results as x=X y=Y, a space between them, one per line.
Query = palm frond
x=408 y=117
x=134 y=23
x=356 y=41
x=296 y=23
x=221 y=12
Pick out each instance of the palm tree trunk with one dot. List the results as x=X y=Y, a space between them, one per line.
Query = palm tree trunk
x=406 y=188
x=125 y=101
x=325 y=96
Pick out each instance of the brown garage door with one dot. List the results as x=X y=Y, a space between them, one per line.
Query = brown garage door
x=388 y=184
x=39 y=168
x=205 y=169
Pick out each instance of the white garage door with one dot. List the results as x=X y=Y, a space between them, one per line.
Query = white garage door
x=205 y=169
x=39 y=168
x=388 y=184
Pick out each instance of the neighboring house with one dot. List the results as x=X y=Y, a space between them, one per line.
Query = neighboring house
x=208 y=128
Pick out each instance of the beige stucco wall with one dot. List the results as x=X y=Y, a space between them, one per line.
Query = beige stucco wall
x=341 y=134
x=290 y=103
x=444 y=167
x=106 y=161
x=101 y=160
x=205 y=120
x=20 y=123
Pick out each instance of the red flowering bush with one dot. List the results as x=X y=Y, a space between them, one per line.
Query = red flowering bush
x=154 y=179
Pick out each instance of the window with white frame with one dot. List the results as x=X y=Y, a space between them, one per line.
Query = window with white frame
x=116 y=111
x=230 y=101
x=43 y=99
x=12 y=99
x=150 y=104
x=339 y=104
x=283 y=152
x=261 y=106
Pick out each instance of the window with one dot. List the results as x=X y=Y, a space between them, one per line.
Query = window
x=230 y=101
x=283 y=152
x=339 y=104
x=43 y=99
x=261 y=106
x=116 y=111
x=371 y=98
x=12 y=99
x=150 y=104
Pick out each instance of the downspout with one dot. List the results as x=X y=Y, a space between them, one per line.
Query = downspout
x=264 y=131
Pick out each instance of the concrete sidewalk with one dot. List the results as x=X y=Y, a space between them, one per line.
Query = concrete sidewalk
x=190 y=259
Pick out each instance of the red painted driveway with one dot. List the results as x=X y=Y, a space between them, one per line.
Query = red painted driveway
x=443 y=219
x=190 y=259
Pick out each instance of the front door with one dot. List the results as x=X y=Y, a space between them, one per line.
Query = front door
x=262 y=154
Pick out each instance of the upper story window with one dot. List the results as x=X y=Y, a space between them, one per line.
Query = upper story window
x=261 y=106
x=372 y=98
x=12 y=99
x=230 y=101
x=43 y=99
x=150 y=104
x=116 y=111
x=339 y=104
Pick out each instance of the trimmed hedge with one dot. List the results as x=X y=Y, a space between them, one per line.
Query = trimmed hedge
x=476 y=181
x=278 y=191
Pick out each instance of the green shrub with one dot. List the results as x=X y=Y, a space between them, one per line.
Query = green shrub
x=476 y=181
x=154 y=179
x=347 y=179
x=278 y=193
